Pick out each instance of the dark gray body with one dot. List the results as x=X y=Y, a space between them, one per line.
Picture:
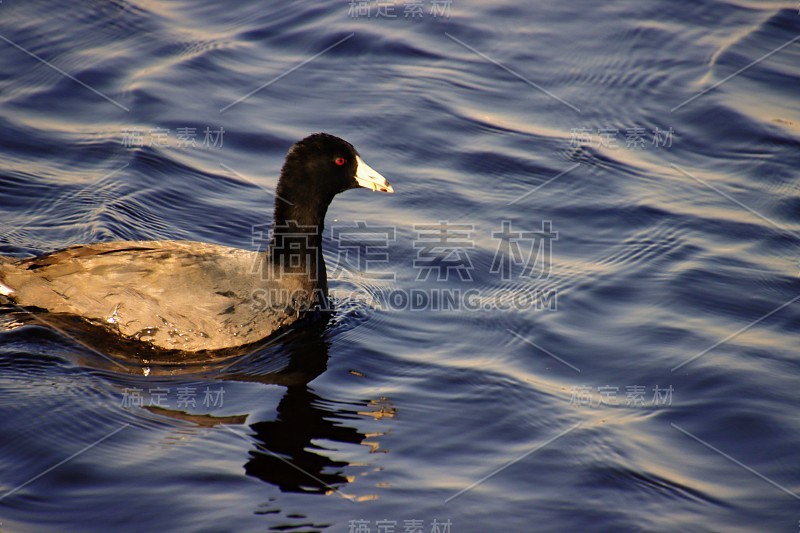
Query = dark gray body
x=172 y=295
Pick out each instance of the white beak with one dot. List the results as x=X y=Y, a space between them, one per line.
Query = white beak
x=368 y=177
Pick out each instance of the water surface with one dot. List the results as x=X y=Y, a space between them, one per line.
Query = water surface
x=639 y=373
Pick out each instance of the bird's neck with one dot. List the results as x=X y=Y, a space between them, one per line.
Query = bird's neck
x=296 y=244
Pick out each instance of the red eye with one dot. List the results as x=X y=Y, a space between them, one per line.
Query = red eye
x=340 y=161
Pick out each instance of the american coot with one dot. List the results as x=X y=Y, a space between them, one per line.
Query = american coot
x=197 y=297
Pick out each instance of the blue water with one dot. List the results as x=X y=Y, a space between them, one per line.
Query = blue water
x=620 y=355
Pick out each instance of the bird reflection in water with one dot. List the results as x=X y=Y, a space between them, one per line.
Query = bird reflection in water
x=285 y=453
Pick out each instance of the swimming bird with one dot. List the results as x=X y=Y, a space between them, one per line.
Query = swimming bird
x=196 y=297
